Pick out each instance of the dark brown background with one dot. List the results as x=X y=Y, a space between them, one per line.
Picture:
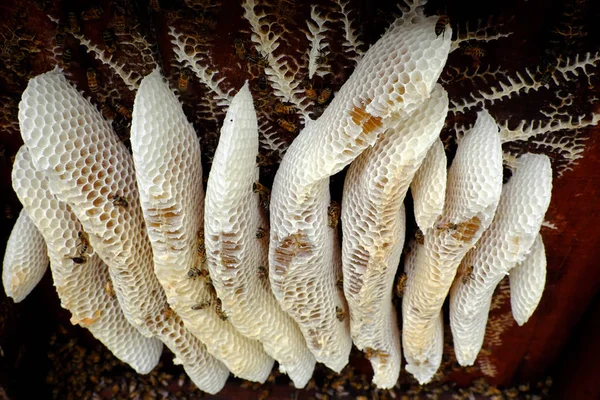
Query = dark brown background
x=561 y=339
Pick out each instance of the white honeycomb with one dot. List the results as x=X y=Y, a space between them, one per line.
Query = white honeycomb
x=508 y=240
x=428 y=187
x=80 y=277
x=91 y=170
x=373 y=231
x=436 y=346
x=472 y=193
x=236 y=235
x=392 y=79
x=527 y=281
x=25 y=259
x=166 y=154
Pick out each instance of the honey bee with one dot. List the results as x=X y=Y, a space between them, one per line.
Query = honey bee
x=262 y=160
x=107 y=111
x=201 y=306
x=201 y=247
x=340 y=284
x=259 y=188
x=262 y=83
x=401 y=284
x=167 y=312
x=219 y=309
x=92 y=81
x=324 y=96
x=60 y=39
x=339 y=314
x=82 y=242
x=287 y=125
x=119 y=201
x=92 y=14
x=370 y=353
x=121 y=109
x=447 y=226
x=182 y=83
x=467 y=275
x=474 y=51
x=8 y=212
x=259 y=60
x=193 y=272
x=240 y=50
x=109 y=40
x=262 y=272
x=333 y=214
x=440 y=26
x=79 y=259
x=73 y=23
x=154 y=5
x=322 y=58
x=309 y=91
x=419 y=237
x=119 y=20
x=261 y=233
x=280 y=108
x=108 y=288
x=66 y=58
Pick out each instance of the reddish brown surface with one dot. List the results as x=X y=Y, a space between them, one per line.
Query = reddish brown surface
x=526 y=353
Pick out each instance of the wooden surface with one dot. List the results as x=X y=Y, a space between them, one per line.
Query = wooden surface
x=517 y=354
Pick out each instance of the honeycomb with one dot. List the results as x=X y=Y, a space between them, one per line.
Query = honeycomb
x=428 y=187
x=25 y=259
x=508 y=240
x=236 y=236
x=392 y=79
x=90 y=169
x=373 y=230
x=527 y=281
x=81 y=278
x=166 y=154
x=472 y=193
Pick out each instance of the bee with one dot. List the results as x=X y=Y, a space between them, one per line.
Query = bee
x=167 y=312
x=340 y=284
x=448 y=226
x=119 y=20
x=193 y=272
x=259 y=60
x=261 y=233
x=474 y=51
x=440 y=26
x=262 y=272
x=201 y=306
x=240 y=50
x=66 y=58
x=262 y=160
x=546 y=71
x=262 y=83
x=79 y=259
x=333 y=214
x=280 y=108
x=82 y=243
x=92 y=14
x=109 y=40
x=219 y=309
x=201 y=247
x=73 y=23
x=339 y=314
x=287 y=125
x=309 y=91
x=467 y=275
x=60 y=39
x=154 y=5
x=184 y=79
x=8 y=212
x=119 y=201
x=107 y=111
x=108 y=288
x=322 y=58
x=324 y=96
x=419 y=237
x=259 y=188
x=401 y=284
x=92 y=81
x=121 y=109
